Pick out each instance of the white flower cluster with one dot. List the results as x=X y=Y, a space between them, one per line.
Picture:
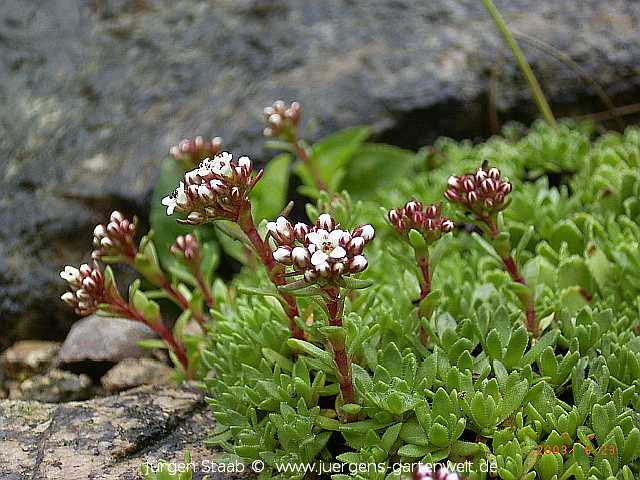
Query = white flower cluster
x=322 y=250
x=86 y=288
x=216 y=190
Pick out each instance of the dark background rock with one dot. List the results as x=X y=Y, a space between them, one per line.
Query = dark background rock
x=107 y=438
x=94 y=93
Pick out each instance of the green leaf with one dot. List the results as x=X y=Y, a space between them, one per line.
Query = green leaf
x=269 y=195
x=516 y=347
x=310 y=349
x=374 y=167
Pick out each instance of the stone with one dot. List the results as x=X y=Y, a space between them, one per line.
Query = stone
x=55 y=386
x=135 y=372
x=94 y=93
x=28 y=357
x=104 y=339
x=105 y=438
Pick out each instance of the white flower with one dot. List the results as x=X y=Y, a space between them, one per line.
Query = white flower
x=219 y=165
x=326 y=245
x=176 y=199
x=71 y=275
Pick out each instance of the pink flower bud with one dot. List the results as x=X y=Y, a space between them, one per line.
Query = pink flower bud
x=365 y=231
x=489 y=185
x=468 y=184
x=358 y=264
x=394 y=215
x=324 y=269
x=480 y=175
x=413 y=207
x=447 y=226
x=505 y=187
x=300 y=257
x=300 y=231
x=472 y=197
x=454 y=182
x=338 y=268
x=355 y=246
x=326 y=222
x=433 y=211
x=283 y=255
x=452 y=195
x=494 y=173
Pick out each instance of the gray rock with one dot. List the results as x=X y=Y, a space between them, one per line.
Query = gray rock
x=28 y=357
x=55 y=386
x=106 y=438
x=134 y=372
x=104 y=339
x=94 y=93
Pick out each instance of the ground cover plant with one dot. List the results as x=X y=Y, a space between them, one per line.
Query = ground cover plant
x=471 y=304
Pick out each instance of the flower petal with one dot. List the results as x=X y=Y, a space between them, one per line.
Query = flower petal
x=314 y=237
x=335 y=236
x=318 y=258
x=338 y=252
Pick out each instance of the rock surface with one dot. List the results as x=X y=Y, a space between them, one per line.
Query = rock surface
x=134 y=372
x=95 y=92
x=104 y=339
x=107 y=438
x=28 y=357
x=55 y=386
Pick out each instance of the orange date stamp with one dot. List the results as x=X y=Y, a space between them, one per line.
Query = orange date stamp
x=565 y=450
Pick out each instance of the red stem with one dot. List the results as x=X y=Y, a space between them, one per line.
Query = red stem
x=512 y=268
x=425 y=289
x=181 y=300
x=159 y=327
x=301 y=153
x=204 y=288
x=334 y=306
x=245 y=221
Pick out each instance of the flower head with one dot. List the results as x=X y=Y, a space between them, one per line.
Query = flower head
x=281 y=118
x=426 y=220
x=116 y=238
x=484 y=193
x=322 y=250
x=187 y=247
x=191 y=151
x=86 y=288
x=216 y=190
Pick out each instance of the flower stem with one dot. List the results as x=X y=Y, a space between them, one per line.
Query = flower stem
x=302 y=154
x=127 y=311
x=246 y=223
x=425 y=288
x=204 y=288
x=511 y=267
x=343 y=363
x=181 y=300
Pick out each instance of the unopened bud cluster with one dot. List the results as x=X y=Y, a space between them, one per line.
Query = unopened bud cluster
x=484 y=193
x=426 y=220
x=216 y=190
x=322 y=250
x=116 y=238
x=191 y=151
x=281 y=118
x=86 y=288
x=187 y=247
